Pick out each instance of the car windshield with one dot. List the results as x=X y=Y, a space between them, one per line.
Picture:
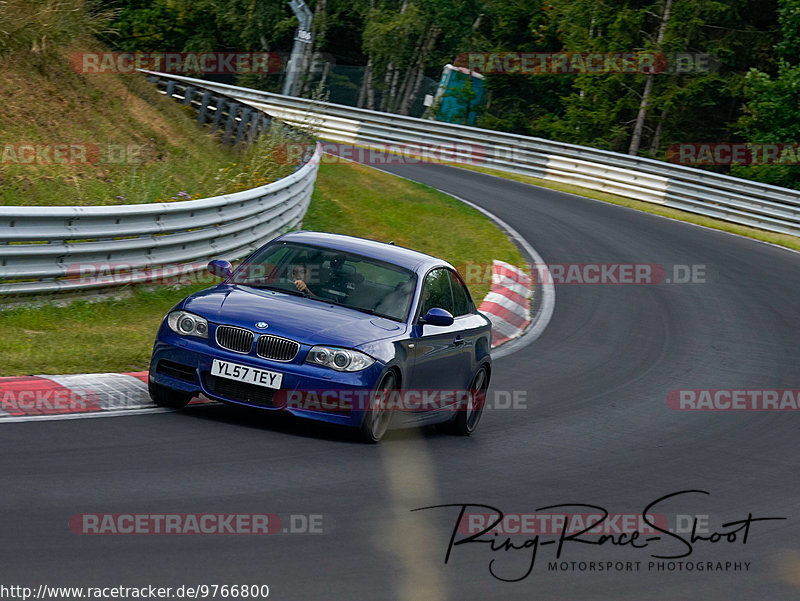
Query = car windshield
x=331 y=276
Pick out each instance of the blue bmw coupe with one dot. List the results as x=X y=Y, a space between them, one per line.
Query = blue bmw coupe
x=331 y=328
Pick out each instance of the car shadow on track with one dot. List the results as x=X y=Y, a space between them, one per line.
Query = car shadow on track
x=286 y=423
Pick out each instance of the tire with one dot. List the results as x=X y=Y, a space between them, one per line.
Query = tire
x=467 y=418
x=377 y=419
x=164 y=396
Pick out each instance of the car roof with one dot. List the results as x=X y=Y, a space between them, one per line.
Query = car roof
x=397 y=255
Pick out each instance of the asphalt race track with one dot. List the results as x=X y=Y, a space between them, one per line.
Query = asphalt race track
x=596 y=430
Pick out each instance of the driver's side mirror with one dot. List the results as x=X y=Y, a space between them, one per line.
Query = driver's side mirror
x=437 y=317
x=220 y=268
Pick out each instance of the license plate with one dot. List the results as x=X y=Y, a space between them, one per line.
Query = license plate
x=243 y=373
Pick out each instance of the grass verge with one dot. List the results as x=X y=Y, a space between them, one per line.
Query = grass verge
x=117 y=335
x=103 y=139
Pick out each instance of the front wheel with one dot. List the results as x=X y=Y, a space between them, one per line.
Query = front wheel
x=378 y=415
x=164 y=396
x=468 y=415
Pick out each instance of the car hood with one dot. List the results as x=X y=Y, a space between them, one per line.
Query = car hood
x=302 y=319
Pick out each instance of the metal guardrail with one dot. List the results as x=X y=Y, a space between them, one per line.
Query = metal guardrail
x=52 y=249
x=693 y=190
x=238 y=122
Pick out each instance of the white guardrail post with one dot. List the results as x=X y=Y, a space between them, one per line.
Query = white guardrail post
x=52 y=249
x=693 y=190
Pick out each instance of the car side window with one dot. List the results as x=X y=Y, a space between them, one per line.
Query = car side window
x=264 y=268
x=461 y=302
x=436 y=291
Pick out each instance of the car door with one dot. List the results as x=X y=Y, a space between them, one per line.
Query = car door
x=439 y=351
x=471 y=327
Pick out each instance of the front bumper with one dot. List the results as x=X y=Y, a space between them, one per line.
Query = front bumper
x=184 y=363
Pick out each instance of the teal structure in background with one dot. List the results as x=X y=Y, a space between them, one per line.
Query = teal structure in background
x=461 y=95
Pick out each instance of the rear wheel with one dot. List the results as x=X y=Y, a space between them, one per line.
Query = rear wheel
x=164 y=396
x=468 y=415
x=378 y=416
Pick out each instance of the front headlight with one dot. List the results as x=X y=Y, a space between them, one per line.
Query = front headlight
x=187 y=324
x=339 y=359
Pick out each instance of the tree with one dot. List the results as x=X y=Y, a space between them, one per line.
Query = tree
x=621 y=111
x=772 y=112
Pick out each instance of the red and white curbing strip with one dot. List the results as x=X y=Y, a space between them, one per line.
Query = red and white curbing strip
x=27 y=398
x=30 y=397
x=508 y=304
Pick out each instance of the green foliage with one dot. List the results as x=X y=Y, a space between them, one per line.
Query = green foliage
x=37 y=26
x=721 y=104
x=789 y=15
x=275 y=155
x=770 y=115
x=201 y=25
x=389 y=35
x=682 y=107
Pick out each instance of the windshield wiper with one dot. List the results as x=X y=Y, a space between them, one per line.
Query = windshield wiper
x=321 y=299
x=361 y=309
x=376 y=313
x=273 y=289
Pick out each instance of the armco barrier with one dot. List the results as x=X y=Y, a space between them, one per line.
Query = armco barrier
x=42 y=249
x=693 y=190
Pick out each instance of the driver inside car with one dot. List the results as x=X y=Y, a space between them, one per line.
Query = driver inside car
x=300 y=277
